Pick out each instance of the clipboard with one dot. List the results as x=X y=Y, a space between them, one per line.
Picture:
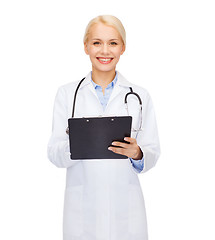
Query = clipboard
x=90 y=138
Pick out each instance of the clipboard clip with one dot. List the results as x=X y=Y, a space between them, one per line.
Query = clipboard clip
x=88 y=120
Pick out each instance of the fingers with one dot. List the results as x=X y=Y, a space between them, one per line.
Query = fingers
x=125 y=148
x=125 y=145
x=120 y=144
x=118 y=150
x=129 y=139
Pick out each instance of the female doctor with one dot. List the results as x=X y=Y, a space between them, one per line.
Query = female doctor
x=103 y=198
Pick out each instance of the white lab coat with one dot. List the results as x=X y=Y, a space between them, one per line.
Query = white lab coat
x=103 y=198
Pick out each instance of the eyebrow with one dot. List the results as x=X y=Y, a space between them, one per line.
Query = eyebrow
x=108 y=40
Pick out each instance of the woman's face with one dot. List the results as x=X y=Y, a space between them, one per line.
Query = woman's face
x=104 y=46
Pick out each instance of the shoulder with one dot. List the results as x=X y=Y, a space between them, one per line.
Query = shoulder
x=70 y=87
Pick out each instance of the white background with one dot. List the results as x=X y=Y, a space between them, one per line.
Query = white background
x=170 y=51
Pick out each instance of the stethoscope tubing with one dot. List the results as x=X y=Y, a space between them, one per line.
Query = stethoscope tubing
x=125 y=100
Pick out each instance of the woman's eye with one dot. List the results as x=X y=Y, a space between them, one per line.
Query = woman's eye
x=113 y=43
x=96 y=43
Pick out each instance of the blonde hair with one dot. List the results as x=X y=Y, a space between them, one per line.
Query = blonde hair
x=108 y=20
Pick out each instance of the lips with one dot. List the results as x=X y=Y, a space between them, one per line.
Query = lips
x=104 y=60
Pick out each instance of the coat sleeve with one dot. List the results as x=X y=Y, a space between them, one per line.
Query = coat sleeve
x=58 y=146
x=148 y=139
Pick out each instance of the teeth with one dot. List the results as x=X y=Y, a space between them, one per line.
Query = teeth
x=104 y=59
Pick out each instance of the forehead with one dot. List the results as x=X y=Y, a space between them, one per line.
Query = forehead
x=104 y=32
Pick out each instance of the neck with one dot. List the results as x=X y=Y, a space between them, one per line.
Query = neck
x=103 y=78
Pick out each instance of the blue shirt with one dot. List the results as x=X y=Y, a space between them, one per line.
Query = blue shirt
x=137 y=164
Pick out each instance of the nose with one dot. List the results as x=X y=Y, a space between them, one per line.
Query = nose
x=105 y=48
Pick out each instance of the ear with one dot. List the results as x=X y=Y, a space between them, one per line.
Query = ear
x=85 y=48
x=123 y=49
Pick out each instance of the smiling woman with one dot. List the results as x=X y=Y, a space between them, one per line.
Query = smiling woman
x=103 y=197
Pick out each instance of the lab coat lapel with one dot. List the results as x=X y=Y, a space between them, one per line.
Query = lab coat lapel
x=87 y=82
x=120 y=85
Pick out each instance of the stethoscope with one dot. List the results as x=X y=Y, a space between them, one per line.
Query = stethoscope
x=126 y=106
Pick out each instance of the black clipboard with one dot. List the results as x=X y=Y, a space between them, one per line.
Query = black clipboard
x=90 y=138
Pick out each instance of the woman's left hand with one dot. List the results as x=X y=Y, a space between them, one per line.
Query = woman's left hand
x=131 y=149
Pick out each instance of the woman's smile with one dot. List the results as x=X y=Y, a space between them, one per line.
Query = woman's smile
x=104 y=60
